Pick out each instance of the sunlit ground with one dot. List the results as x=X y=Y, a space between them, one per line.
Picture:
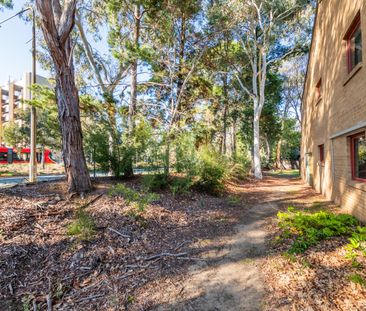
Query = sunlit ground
x=12 y=170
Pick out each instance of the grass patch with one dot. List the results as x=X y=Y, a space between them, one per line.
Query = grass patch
x=306 y=230
x=287 y=173
x=83 y=226
x=357 y=278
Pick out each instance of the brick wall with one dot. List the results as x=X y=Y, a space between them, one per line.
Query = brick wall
x=343 y=105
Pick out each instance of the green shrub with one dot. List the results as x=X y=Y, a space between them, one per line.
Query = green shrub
x=139 y=200
x=185 y=153
x=181 y=185
x=212 y=170
x=238 y=171
x=307 y=230
x=83 y=226
x=155 y=182
x=356 y=245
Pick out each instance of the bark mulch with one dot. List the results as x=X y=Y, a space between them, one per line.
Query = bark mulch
x=127 y=264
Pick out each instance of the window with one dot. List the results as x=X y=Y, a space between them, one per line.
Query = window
x=319 y=90
x=321 y=154
x=354 y=44
x=358 y=157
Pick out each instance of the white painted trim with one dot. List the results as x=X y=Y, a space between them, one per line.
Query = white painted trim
x=349 y=130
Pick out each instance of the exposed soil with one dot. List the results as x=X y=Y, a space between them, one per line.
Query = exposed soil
x=190 y=252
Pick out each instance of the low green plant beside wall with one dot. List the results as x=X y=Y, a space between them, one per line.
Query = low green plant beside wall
x=306 y=230
x=357 y=245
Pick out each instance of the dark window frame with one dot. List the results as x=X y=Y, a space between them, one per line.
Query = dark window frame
x=353 y=158
x=355 y=26
x=321 y=151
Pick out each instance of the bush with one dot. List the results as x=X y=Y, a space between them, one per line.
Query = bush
x=181 y=185
x=83 y=226
x=155 y=182
x=185 y=153
x=212 y=170
x=238 y=172
x=307 y=230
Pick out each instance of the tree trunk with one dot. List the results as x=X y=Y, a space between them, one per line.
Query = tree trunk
x=167 y=157
x=72 y=141
x=128 y=169
x=268 y=153
x=225 y=114
x=256 y=148
x=57 y=22
x=234 y=140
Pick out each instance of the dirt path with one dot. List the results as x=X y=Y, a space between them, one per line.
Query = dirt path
x=230 y=278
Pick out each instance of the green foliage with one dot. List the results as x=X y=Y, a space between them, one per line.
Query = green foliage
x=185 y=152
x=291 y=138
x=234 y=200
x=155 y=182
x=212 y=170
x=116 y=152
x=357 y=244
x=138 y=200
x=83 y=226
x=238 y=171
x=358 y=279
x=307 y=230
x=181 y=185
x=13 y=135
x=6 y=3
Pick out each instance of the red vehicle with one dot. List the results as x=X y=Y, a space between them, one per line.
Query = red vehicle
x=12 y=155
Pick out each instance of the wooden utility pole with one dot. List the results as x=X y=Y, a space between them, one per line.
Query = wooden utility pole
x=33 y=129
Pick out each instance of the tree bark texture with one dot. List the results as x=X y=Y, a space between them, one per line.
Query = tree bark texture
x=57 y=23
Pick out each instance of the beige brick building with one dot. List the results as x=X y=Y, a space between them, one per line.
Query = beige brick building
x=334 y=105
x=12 y=98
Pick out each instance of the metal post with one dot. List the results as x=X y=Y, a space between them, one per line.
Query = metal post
x=33 y=143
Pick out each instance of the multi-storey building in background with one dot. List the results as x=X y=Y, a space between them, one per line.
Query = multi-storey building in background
x=334 y=105
x=13 y=97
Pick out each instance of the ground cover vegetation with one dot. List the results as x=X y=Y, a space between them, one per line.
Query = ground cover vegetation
x=317 y=256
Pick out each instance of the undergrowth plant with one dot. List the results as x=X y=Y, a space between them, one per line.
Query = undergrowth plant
x=356 y=246
x=155 y=182
x=83 y=226
x=138 y=199
x=358 y=279
x=306 y=230
x=181 y=185
x=212 y=170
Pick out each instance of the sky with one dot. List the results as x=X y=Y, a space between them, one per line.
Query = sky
x=15 y=52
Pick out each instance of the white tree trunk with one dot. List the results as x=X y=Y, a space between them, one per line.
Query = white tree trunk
x=256 y=147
